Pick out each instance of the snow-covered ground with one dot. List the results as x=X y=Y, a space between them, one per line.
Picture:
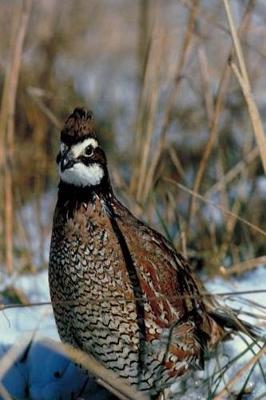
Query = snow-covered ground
x=40 y=373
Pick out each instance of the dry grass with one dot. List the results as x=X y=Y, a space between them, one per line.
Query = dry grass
x=226 y=391
x=243 y=79
x=245 y=266
x=185 y=138
x=7 y=115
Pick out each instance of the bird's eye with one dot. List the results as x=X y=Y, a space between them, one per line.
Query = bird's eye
x=89 y=151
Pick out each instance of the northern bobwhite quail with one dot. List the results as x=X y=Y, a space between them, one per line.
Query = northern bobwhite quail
x=119 y=290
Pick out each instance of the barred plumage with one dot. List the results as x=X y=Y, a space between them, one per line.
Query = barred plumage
x=119 y=290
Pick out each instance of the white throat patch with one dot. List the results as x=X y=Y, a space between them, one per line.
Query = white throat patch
x=82 y=175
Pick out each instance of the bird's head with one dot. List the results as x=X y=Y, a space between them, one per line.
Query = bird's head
x=81 y=161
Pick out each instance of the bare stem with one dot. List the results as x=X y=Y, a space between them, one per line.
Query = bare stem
x=7 y=127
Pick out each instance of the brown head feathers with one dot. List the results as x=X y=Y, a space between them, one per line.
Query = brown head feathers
x=78 y=126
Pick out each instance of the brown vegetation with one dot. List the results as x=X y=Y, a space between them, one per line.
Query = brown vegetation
x=178 y=89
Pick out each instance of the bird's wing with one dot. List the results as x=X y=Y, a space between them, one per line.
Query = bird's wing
x=165 y=277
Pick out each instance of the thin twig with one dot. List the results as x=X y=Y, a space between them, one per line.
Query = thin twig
x=7 y=125
x=254 y=115
x=243 y=79
x=4 y=393
x=224 y=393
x=155 y=59
x=37 y=98
x=225 y=76
x=11 y=356
x=233 y=172
x=243 y=266
x=4 y=307
x=211 y=203
x=104 y=376
x=211 y=141
x=237 y=46
x=167 y=116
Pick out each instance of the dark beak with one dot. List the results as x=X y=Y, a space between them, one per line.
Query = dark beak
x=67 y=161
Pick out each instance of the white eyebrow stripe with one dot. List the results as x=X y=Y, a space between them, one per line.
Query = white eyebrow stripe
x=77 y=149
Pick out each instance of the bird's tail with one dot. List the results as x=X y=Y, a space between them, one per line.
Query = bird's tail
x=228 y=319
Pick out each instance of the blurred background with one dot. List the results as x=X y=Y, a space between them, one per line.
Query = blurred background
x=157 y=77
x=172 y=118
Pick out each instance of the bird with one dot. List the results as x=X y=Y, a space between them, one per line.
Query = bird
x=119 y=290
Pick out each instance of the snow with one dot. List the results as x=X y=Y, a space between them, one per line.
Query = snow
x=46 y=374
x=40 y=373
x=17 y=322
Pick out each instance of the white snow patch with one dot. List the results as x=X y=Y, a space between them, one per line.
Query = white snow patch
x=38 y=373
